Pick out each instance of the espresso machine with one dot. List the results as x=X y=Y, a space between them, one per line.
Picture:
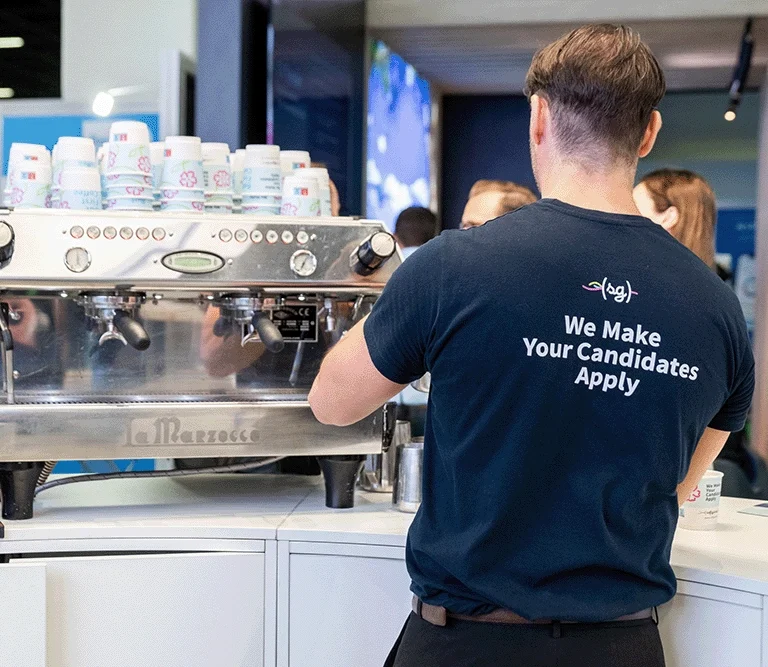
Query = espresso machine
x=156 y=335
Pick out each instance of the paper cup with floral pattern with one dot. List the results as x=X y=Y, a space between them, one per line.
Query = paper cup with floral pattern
x=263 y=205
x=31 y=186
x=128 y=204
x=221 y=209
x=301 y=196
x=125 y=158
x=182 y=205
x=131 y=191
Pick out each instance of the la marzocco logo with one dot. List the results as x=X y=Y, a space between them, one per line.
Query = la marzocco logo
x=620 y=292
x=170 y=431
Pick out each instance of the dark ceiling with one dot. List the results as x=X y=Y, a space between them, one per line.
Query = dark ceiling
x=33 y=70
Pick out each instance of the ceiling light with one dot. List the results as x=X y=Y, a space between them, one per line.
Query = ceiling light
x=103 y=104
x=6 y=93
x=11 y=42
x=730 y=115
x=741 y=73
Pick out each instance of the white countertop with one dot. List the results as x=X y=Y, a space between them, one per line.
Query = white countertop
x=268 y=507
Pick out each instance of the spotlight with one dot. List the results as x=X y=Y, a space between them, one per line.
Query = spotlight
x=741 y=73
x=103 y=104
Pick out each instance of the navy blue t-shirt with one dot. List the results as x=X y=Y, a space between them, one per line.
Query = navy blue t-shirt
x=576 y=359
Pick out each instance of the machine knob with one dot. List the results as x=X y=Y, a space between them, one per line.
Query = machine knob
x=7 y=239
x=371 y=254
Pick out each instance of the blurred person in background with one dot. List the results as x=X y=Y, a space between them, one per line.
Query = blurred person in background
x=414 y=227
x=491 y=199
x=684 y=204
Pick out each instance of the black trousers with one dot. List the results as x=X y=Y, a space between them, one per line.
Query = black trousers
x=473 y=644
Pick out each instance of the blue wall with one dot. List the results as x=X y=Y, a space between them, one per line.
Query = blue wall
x=483 y=137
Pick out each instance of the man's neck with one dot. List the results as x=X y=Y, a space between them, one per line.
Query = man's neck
x=599 y=190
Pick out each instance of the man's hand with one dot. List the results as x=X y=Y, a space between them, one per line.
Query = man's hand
x=710 y=445
x=348 y=386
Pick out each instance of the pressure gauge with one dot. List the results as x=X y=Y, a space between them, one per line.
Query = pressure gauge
x=303 y=263
x=77 y=260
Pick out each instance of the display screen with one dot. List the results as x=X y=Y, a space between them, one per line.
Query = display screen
x=193 y=262
x=398 y=171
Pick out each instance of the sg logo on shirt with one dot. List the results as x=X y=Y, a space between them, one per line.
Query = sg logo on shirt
x=620 y=292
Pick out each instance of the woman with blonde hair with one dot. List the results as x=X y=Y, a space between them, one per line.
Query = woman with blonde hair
x=684 y=204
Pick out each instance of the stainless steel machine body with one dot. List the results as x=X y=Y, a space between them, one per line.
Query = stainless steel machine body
x=143 y=335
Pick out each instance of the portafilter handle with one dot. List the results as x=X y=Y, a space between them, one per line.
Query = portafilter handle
x=268 y=332
x=132 y=331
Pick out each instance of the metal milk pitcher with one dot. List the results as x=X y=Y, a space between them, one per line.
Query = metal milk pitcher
x=378 y=473
x=409 y=461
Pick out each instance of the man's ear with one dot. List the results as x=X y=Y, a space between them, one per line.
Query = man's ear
x=651 y=132
x=669 y=218
x=539 y=118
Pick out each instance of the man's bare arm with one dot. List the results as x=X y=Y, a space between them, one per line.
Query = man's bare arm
x=708 y=449
x=348 y=386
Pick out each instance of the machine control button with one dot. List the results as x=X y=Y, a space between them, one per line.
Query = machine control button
x=302 y=237
x=77 y=260
x=287 y=237
x=257 y=236
x=110 y=232
x=93 y=232
x=225 y=235
x=142 y=233
x=126 y=233
x=272 y=236
x=77 y=232
x=241 y=236
x=7 y=238
x=158 y=233
x=303 y=263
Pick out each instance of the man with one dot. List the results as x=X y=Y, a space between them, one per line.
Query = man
x=414 y=227
x=491 y=199
x=586 y=370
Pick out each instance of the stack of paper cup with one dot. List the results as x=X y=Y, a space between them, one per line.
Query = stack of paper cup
x=80 y=189
x=19 y=153
x=323 y=182
x=157 y=157
x=31 y=185
x=217 y=178
x=261 y=180
x=301 y=196
x=102 y=155
x=236 y=162
x=129 y=167
x=182 y=182
x=71 y=153
x=290 y=161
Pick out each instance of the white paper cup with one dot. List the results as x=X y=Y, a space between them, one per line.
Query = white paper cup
x=324 y=183
x=183 y=148
x=80 y=179
x=261 y=205
x=129 y=132
x=157 y=158
x=128 y=158
x=182 y=194
x=218 y=209
x=292 y=160
x=300 y=196
x=31 y=186
x=26 y=153
x=215 y=152
x=128 y=204
x=700 y=511
x=261 y=170
x=76 y=150
x=84 y=200
x=130 y=191
x=217 y=178
x=182 y=173
x=117 y=180
x=236 y=162
x=181 y=205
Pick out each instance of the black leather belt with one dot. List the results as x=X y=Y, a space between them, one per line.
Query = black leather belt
x=439 y=616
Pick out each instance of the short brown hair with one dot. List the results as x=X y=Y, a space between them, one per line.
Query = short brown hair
x=513 y=196
x=602 y=84
x=694 y=200
x=415 y=226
